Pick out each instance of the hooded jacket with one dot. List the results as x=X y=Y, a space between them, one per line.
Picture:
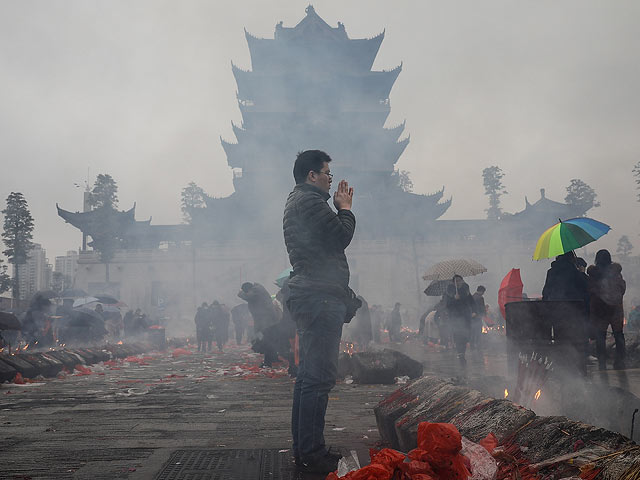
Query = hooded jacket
x=606 y=290
x=564 y=282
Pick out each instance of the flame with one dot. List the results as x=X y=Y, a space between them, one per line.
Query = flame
x=537 y=395
x=119 y=343
x=485 y=329
x=26 y=346
x=349 y=348
x=506 y=393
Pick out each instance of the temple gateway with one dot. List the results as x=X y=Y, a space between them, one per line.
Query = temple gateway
x=309 y=87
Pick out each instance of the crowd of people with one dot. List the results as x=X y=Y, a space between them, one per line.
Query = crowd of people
x=47 y=324
x=601 y=289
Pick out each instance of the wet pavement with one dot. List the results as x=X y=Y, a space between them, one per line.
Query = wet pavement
x=124 y=419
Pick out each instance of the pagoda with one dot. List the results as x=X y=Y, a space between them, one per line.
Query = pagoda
x=313 y=87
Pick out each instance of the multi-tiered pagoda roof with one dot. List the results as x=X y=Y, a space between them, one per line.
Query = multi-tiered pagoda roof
x=313 y=87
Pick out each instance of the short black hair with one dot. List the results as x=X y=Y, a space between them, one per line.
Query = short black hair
x=481 y=288
x=246 y=286
x=308 y=161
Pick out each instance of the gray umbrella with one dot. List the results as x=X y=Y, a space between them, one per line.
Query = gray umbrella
x=447 y=269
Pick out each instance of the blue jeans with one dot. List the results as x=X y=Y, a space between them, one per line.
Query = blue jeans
x=319 y=324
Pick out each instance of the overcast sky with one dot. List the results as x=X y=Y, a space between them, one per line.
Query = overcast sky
x=142 y=90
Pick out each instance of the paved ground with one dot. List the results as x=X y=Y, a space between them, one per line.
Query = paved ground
x=124 y=421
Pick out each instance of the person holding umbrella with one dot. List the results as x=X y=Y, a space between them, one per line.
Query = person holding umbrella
x=461 y=308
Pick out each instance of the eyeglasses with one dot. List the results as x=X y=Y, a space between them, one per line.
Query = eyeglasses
x=330 y=175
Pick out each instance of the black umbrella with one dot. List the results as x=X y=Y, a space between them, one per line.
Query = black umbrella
x=42 y=298
x=8 y=321
x=86 y=315
x=437 y=288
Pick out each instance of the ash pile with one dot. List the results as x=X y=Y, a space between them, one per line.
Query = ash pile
x=378 y=367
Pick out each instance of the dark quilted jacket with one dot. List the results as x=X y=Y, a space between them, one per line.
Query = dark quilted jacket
x=316 y=237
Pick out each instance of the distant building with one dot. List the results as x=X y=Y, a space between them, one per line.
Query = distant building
x=67 y=265
x=35 y=274
x=313 y=87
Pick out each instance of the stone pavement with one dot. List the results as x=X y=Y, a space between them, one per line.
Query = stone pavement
x=125 y=420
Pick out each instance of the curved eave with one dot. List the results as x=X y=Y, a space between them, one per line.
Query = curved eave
x=260 y=49
x=238 y=131
x=229 y=148
x=394 y=133
x=364 y=51
x=387 y=78
x=243 y=81
x=399 y=148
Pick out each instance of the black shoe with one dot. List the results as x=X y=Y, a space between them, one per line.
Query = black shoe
x=325 y=464
x=335 y=453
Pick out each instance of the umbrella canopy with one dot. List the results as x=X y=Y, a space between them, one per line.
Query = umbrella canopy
x=73 y=293
x=437 y=288
x=568 y=235
x=283 y=276
x=83 y=301
x=510 y=290
x=107 y=299
x=447 y=269
x=105 y=307
x=86 y=315
x=8 y=321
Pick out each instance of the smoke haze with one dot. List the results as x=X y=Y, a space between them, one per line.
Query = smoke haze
x=142 y=90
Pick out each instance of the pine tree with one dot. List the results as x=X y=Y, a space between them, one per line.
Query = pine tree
x=5 y=278
x=104 y=192
x=104 y=196
x=17 y=235
x=493 y=188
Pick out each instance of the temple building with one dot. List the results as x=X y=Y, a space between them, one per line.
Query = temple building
x=313 y=87
x=309 y=87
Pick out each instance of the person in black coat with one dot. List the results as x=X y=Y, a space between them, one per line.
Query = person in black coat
x=564 y=280
x=461 y=308
x=607 y=289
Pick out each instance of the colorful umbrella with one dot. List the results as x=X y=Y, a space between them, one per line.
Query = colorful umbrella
x=568 y=235
x=510 y=290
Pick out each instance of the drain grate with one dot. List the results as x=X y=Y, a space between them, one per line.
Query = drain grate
x=231 y=464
